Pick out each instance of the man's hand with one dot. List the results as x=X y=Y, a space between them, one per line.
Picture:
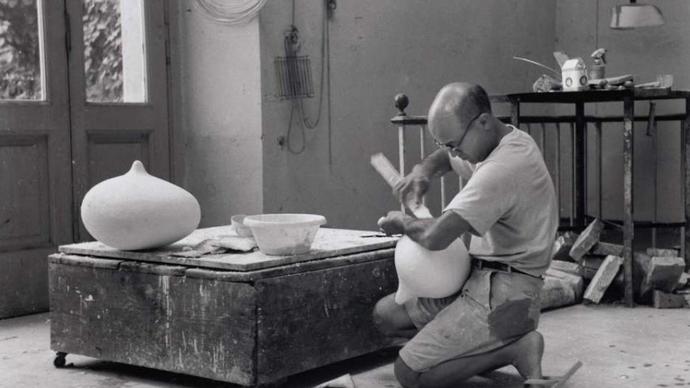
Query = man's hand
x=412 y=187
x=393 y=222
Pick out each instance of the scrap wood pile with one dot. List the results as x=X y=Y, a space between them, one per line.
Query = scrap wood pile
x=580 y=261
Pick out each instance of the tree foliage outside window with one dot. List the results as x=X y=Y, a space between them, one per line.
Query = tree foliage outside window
x=102 y=50
x=20 y=72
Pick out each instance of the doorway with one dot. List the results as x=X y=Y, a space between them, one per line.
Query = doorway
x=83 y=93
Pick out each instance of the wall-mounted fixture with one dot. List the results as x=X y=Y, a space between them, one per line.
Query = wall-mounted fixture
x=635 y=15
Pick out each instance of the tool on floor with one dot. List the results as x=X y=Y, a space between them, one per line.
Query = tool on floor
x=554 y=381
x=386 y=169
x=344 y=381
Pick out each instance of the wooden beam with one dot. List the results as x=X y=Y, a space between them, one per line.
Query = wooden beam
x=566 y=266
x=605 y=249
x=586 y=240
x=601 y=281
x=667 y=300
x=663 y=274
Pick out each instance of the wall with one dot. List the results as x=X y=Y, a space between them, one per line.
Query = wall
x=644 y=53
x=216 y=108
x=377 y=50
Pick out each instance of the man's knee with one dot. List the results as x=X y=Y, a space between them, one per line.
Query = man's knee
x=407 y=377
x=384 y=317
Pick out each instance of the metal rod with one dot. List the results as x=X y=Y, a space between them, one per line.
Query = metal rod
x=422 y=151
x=686 y=176
x=580 y=163
x=628 y=225
x=573 y=177
x=558 y=165
x=401 y=155
x=600 y=178
x=443 y=193
x=651 y=125
x=543 y=139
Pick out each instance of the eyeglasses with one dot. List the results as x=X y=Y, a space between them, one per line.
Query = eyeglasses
x=454 y=146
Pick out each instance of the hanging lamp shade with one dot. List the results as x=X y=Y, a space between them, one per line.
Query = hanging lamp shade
x=635 y=15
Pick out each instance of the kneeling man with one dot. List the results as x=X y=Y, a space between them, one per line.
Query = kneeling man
x=508 y=205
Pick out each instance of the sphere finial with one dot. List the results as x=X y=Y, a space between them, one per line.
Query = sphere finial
x=401 y=102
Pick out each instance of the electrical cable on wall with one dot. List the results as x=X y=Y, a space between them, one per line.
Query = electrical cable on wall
x=231 y=11
x=294 y=75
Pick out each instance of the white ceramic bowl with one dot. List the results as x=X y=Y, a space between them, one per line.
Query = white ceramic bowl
x=237 y=223
x=284 y=234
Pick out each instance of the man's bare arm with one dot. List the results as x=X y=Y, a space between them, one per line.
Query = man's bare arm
x=432 y=233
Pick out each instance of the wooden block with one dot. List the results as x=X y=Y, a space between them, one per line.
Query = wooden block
x=605 y=249
x=603 y=278
x=658 y=252
x=683 y=280
x=663 y=274
x=586 y=240
x=667 y=300
x=562 y=246
x=566 y=266
x=560 y=289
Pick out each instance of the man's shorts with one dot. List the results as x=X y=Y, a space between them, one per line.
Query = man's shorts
x=493 y=309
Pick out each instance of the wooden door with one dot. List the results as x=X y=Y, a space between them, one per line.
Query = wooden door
x=118 y=113
x=35 y=177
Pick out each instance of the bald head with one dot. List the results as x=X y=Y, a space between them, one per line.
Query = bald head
x=455 y=105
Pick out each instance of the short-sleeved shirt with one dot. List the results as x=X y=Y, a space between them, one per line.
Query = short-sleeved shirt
x=510 y=202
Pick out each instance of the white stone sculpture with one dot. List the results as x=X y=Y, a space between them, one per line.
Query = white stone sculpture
x=139 y=211
x=431 y=274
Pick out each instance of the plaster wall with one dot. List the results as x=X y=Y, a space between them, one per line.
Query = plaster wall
x=581 y=27
x=216 y=107
x=378 y=49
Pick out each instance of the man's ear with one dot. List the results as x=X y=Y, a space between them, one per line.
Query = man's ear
x=483 y=119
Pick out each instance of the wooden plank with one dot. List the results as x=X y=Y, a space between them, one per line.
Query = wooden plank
x=565 y=266
x=328 y=243
x=311 y=319
x=667 y=300
x=586 y=240
x=329 y=262
x=606 y=249
x=562 y=246
x=187 y=325
x=601 y=281
x=659 y=252
x=84 y=261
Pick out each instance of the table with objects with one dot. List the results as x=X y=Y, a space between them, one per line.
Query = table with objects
x=245 y=318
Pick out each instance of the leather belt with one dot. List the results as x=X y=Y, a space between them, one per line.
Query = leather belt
x=497 y=265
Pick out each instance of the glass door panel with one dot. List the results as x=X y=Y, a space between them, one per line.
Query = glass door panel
x=114 y=51
x=21 y=58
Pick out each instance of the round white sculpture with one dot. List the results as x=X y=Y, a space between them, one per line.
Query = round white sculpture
x=430 y=274
x=139 y=211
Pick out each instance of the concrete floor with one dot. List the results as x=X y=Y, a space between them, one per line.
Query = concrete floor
x=620 y=347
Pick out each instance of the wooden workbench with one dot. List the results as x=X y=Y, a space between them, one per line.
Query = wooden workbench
x=246 y=318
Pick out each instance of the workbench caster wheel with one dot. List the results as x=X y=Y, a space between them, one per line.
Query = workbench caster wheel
x=59 y=360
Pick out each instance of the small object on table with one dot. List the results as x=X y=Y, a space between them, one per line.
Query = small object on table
x=235 y=243
x=237 y=223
